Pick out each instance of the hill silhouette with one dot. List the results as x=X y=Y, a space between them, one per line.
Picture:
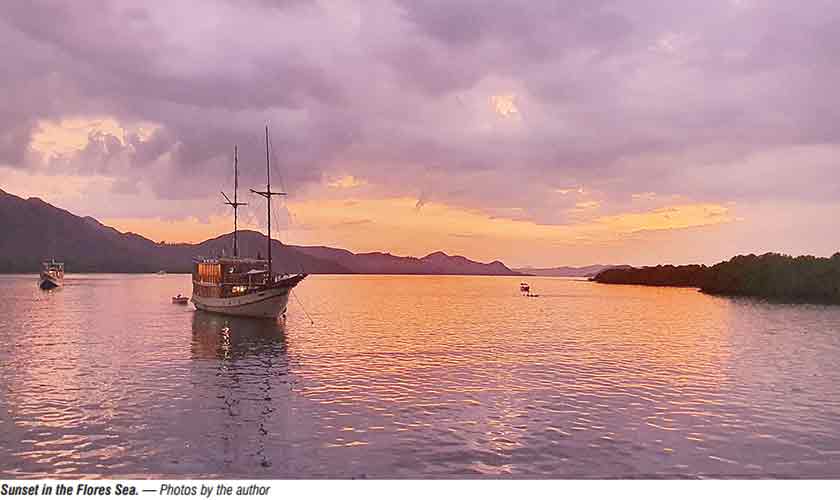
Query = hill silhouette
x=35 y=230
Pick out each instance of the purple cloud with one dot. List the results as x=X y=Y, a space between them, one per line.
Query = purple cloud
x=696 y=99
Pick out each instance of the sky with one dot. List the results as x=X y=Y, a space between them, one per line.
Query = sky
x=539 y=133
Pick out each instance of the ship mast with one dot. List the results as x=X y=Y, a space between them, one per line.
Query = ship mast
x=235 y=203
x=267 y=194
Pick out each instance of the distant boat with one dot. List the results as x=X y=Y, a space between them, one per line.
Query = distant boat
x=525 y=289
x=180 y=299
x=240 y=286
x=161 y=272
x=52 y=275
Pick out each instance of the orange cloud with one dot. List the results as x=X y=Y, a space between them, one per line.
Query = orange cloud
x=55 y=188
x=504 y=105
x=394 y=225
x=186 y=230
x=61 y=137
x=345 y=182
x=673 y=217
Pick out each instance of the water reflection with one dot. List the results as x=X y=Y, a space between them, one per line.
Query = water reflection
x=230 y=338
x=415 y=377
x=251 y=366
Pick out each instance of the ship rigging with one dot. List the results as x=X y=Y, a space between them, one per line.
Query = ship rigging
x=241 y=286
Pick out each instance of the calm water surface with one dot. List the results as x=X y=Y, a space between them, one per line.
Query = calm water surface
x=415 y=377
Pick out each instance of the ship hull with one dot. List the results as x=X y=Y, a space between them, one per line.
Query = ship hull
x=47 y=282
x=269 y=303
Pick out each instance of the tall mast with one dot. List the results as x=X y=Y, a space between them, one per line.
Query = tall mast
x=235 y=203
x=267 y=194
x=235 y=200
x=268 y=198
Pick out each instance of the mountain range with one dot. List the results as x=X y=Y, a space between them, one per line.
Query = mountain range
x=570 y=272
x=32 y=230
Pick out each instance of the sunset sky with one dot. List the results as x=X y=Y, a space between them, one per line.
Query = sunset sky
x=538 y=133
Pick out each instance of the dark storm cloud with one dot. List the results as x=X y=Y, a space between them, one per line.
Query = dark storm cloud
x=620 y=96
x=525 y=25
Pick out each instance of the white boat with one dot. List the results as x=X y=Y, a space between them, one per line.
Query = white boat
x=239 y=286
x=52 y=275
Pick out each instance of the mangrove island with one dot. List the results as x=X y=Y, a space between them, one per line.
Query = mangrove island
x=773 y=276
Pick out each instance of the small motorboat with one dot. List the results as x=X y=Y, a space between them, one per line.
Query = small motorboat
x=525 y=288
x=180 y=299
x=52 y=275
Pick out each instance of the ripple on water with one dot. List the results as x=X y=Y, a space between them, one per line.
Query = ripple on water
x=416 y=377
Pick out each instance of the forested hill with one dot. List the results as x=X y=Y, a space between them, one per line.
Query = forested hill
x=804 y=278
x=32 y=230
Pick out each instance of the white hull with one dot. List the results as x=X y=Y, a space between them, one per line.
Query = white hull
x=269 y=303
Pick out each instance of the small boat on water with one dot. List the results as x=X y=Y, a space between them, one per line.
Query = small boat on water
x=525 y=289
x=239 y=286
x=180 y=299
x=161 y=272
x=52 y=275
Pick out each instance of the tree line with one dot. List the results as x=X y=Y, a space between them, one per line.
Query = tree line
x=772 y=275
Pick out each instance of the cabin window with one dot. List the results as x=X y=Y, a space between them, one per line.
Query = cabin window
x=210 y=273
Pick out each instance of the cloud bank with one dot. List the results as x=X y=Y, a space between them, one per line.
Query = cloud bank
x=554 y=115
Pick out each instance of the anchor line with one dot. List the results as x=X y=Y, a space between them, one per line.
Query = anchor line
x=311 y=321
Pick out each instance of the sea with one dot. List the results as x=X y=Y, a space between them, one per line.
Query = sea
x=415 y=377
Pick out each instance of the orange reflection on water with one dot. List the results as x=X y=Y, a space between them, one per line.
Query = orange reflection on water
x=415 y=376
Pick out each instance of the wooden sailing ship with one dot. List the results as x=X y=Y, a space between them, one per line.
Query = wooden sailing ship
x=240 y=286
